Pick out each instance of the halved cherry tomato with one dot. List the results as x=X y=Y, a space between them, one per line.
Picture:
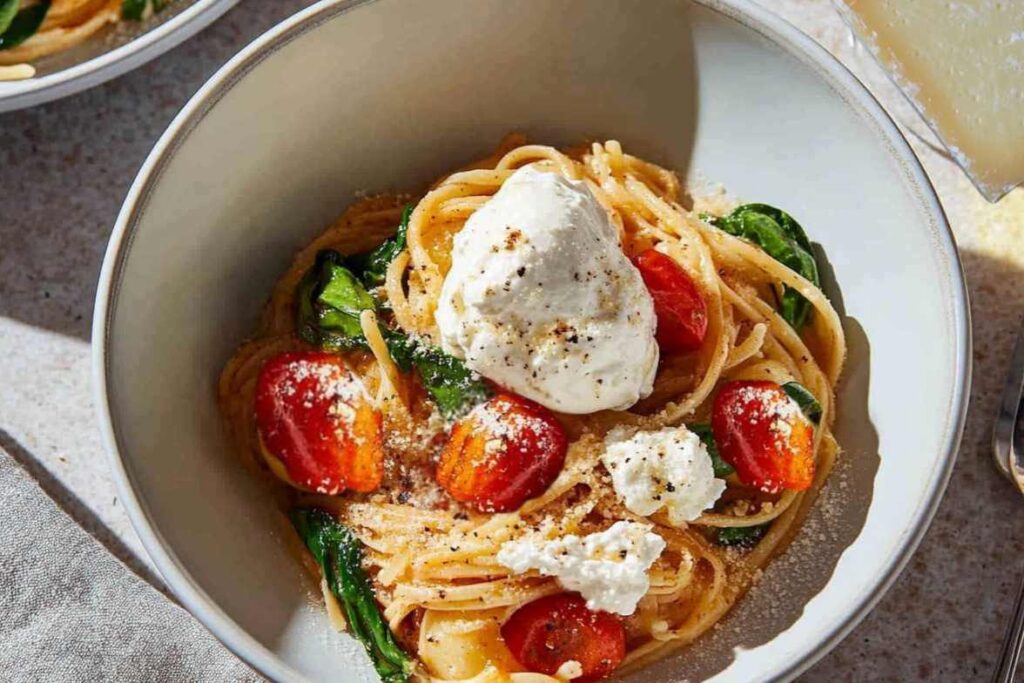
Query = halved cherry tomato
x=681 y=310
x=545 y=634
x=505 y=451
x=762 y=432
x=318 y=429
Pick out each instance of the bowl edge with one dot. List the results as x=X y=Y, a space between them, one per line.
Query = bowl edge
x=769 y=25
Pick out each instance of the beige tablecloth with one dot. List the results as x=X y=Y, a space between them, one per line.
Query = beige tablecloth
x=71 y=611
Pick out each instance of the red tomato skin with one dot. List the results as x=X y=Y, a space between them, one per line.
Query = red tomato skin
x=762 y=432
x=544 y=634
x=324 y=440
x=497 y=472
x=679 y=306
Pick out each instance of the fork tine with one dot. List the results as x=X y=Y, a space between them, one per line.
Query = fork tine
x=1016 y=454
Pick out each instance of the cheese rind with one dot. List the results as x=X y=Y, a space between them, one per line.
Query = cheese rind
x=961 y=63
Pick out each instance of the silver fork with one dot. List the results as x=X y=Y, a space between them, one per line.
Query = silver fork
x=1008 y=451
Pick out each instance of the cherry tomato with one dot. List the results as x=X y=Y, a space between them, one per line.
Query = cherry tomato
x=318 y=429
x=545 y=634
x=681 y=310
x=505 y=451
x=762 y=432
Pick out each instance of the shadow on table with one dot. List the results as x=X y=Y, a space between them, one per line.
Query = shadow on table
x=79 y=512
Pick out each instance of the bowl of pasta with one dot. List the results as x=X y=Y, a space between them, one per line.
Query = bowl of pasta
x=464 y=342
x=54 y=48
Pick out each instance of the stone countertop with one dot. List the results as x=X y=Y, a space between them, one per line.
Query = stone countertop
x=66 y=166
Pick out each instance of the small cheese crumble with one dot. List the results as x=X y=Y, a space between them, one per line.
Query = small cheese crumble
x=608 y=568
x=669 y=468
x=569 y=670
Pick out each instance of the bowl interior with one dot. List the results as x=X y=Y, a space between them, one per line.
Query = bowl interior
x=386 y=95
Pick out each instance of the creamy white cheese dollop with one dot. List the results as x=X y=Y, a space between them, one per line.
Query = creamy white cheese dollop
x=609 y=568
x=541 y=299
x=669 y=468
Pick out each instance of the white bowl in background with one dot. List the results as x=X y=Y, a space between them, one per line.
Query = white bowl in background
x=95 y=61
x=388 y=94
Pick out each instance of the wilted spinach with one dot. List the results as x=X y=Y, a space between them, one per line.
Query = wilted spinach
x=340 y=556
x=741 y=536
x=330 y=299
x=135 y=10
x=805 y=399
x=20 y=25
x=373 y=265
x=721 y=467
x=782 y=238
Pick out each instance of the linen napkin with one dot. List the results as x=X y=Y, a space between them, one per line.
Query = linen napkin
x=71 y=611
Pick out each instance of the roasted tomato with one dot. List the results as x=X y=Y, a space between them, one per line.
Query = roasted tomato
x=505 y=451
x=681 y=310
x=545 y=634
x=318 y=429
x=762 y=432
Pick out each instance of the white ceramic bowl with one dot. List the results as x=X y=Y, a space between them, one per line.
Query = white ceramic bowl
x=350 y=96
x=106 y=56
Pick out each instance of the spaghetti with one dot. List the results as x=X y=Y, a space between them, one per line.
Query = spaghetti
x=433 y=562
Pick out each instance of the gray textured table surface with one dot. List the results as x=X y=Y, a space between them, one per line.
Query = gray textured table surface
x=65 y=168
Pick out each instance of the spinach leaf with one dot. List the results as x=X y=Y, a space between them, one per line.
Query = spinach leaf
x=721 y=467
x=23 y=25
x=402 y=349
x=805 y=399
x=788 y=224
x=454 y=387
x=135 y=10
x=340 y=555
x=343 y=299
x=741 y=536
x=782 y=238
x=373 y=265
x=329 y=301
x=8 y=10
